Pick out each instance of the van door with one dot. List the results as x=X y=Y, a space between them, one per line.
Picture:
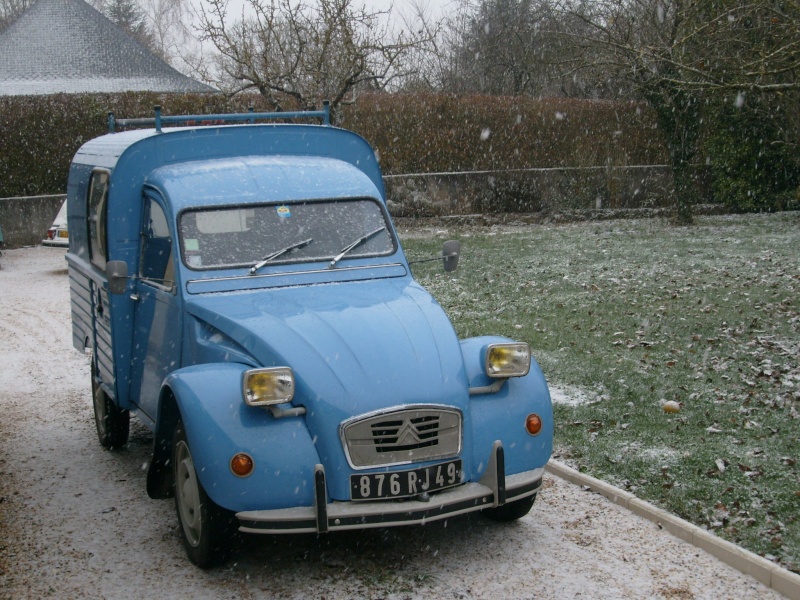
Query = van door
x=98 y=299
x=157 y=325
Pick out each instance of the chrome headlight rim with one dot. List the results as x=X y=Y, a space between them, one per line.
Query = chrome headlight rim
x=522 y=350
x=282 y=384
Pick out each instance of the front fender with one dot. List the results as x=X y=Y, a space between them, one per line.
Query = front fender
x=506 y=410
x=219 y=424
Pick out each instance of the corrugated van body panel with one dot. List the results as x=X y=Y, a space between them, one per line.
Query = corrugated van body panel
x=104 y=349
x=81 y=300
x=91 y=319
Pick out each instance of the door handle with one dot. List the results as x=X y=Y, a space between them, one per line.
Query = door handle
x=134 y=297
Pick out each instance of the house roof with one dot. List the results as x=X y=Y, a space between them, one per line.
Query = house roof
x=66 y=46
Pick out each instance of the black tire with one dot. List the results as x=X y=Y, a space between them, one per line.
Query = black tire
x=511 y=511
x=112 y=422
x=207 y=531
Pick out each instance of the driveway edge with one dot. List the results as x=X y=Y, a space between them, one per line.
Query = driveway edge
x=768 y=573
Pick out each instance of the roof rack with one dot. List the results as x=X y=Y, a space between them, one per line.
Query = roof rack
x=250 y=117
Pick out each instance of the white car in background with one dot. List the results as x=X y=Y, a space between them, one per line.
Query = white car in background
x=57 y=235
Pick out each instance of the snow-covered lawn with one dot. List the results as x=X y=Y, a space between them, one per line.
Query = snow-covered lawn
x=76 y=522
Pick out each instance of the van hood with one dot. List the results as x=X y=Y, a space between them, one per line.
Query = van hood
x=354 y=347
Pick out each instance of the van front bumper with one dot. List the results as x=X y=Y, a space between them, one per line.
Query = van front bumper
x=494 y=489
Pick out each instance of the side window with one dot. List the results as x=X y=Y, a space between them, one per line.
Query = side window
x=97 y=215
x=156 y=263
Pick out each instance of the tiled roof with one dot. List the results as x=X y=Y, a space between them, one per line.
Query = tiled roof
x=66 y=46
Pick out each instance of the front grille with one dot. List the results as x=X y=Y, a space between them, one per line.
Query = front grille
x=421 y=432
x=402 y=435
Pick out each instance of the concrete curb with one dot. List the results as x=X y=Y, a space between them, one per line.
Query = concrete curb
x=768 y=573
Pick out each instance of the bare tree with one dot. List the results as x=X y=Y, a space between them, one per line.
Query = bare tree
x=677 y=53
x=500 y=47
x=635 y=41
x=305 y=53
x=429 y=53
x=166 y=20
x=509 y=47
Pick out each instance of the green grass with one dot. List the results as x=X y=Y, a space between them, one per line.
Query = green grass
x=626 y=315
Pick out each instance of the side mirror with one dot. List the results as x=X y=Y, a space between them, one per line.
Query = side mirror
x=117 y=273
x=450 y=251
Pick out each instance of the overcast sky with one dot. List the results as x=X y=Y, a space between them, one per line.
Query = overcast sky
x=437 y=8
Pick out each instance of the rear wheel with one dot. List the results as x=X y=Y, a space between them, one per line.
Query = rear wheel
x=512 y=510
x=111 y=421
x=206 y=529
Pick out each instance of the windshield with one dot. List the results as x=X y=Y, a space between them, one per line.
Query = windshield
x=245 y=236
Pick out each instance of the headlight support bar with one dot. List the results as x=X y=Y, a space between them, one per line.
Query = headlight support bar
x=488 y=389
x=280 y=413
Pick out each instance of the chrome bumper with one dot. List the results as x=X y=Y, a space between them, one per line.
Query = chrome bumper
x=494 y=489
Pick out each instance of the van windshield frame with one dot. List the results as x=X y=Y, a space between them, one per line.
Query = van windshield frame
x=239 y=236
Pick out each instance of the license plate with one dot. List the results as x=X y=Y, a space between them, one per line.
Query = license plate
x=400 y=484
x=63 y=234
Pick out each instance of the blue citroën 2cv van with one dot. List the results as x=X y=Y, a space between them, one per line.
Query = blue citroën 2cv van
x=243 y=292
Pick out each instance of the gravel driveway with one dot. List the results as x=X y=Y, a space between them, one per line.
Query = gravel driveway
x=76 y=521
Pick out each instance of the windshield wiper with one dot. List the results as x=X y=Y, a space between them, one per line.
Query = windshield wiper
x=281 y=252
x=362 y=240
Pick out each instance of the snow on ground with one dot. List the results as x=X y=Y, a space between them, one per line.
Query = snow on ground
x=570 y=395
x=76 y=522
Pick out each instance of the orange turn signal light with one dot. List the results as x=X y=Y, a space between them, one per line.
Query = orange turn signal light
x=242 y=464
x=533 y=424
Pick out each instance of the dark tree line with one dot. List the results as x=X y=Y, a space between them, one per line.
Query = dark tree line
x=720 y=75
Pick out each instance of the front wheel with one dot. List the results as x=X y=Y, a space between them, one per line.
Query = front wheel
x=512 y=510
x=112 y=422
x=206 y=529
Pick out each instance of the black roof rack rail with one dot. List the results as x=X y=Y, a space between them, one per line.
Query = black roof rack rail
x=250 y=117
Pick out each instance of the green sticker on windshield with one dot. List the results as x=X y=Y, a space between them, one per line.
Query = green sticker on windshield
x=284 y=212
x=191 y=244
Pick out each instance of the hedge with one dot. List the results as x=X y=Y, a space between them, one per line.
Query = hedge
x=418 y=133
x=39 y=135
x=444 y=133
